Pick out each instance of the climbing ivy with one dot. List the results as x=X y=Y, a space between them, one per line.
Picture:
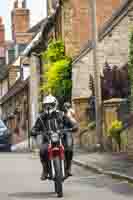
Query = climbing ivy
x=55 y=51
x=57 y=71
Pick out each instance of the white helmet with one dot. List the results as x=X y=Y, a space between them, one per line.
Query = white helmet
x=50 y=103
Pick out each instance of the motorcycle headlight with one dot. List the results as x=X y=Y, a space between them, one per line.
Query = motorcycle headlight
x=55 y=137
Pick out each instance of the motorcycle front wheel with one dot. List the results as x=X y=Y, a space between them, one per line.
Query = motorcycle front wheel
x=58 y=177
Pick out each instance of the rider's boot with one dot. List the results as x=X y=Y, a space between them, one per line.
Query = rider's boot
x=68 y=170
x=44 y=174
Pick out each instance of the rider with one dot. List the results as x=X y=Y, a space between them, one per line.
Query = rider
x=53 y=119
x=69 y=111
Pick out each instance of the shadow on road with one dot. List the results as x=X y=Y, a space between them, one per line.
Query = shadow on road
x=33 y=195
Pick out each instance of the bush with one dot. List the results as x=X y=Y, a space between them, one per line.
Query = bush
x=92 y=125
x=115 y=131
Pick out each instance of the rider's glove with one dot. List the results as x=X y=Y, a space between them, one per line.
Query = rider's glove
x=58 y=131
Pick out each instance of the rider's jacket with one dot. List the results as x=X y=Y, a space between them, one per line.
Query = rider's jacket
x=54 y=121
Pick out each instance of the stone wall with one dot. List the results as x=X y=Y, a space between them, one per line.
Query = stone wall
x=81 y=107
x=13 y=70
x=76 y=21
x=67 y=27
x=111 y=111
x=80 y=75
x=16 y=113
x=114 y=109
x=130 y=143
x=89 y=140
x=112 y=48
x=130 y=131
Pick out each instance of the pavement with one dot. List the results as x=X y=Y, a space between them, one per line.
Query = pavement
x=116 y=164
x=20 y=180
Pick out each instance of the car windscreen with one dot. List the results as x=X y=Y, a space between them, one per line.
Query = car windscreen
x=2 y=125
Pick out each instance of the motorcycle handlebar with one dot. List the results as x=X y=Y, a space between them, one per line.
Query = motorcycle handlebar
x=62 y=131
x=66 y=130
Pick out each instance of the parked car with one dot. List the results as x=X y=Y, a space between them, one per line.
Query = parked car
x=5 y=137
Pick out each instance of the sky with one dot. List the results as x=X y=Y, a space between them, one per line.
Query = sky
x=37 y=9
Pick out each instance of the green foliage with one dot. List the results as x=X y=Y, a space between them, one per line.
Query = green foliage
x=124 y=138
x=130 y=69
x=57 y=74
x=55 y=51
x=92 y=125
x=58 y=78
x=115 y=130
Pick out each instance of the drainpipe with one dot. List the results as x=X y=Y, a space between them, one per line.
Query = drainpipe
x=98 y=98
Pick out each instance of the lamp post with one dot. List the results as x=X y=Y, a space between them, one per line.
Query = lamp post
x=97 y=81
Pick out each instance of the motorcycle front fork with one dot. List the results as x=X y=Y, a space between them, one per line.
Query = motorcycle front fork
x=52 y=168
x=62 y=168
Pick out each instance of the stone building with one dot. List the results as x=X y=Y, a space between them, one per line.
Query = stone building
x=66 y=20
x=14 y=101
x=2 y=39
x=15 y=104
x=33 y=51
x=3 y=68
x=14 y=81
x=112 y=48
x=73 y=23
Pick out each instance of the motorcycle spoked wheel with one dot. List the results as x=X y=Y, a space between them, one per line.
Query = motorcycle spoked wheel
x=58 y=177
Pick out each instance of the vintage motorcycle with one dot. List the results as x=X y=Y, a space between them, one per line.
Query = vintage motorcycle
x=56 y=160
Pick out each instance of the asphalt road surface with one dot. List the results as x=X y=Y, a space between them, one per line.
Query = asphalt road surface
x=20 y=180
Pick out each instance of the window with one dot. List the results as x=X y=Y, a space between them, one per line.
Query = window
x=2 y=52
x=2 y=125
x=10 y=55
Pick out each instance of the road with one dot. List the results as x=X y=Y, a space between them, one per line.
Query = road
x=19 y=180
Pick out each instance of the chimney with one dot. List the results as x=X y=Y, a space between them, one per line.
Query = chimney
x=2 y=32
x=24 y=4
x=16 y=4
x=20 y=4
x=20 y=18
